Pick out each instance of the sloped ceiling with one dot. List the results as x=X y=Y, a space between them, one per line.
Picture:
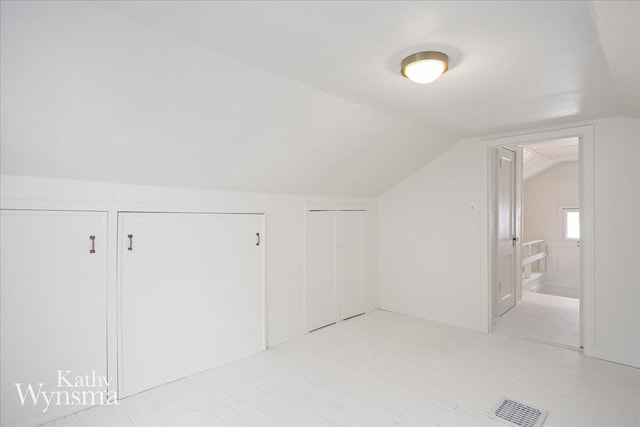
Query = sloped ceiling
x=618 y=24
x=299 y=97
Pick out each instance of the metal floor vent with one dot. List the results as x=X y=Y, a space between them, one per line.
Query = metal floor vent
x=518 y=414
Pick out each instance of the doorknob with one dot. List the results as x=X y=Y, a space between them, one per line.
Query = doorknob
x=515 y=238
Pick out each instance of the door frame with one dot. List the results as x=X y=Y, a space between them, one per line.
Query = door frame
x=587 y=224
x=311 y=207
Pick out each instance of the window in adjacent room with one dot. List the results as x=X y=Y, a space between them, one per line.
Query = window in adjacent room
x=571 y=224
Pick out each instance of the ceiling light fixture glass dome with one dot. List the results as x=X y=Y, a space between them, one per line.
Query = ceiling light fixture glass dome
x=425 y=67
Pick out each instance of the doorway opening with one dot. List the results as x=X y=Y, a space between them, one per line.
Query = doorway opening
x=535 y=217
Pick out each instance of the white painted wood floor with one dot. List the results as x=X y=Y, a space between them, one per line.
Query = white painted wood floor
x=543 y=317
x=386 y=369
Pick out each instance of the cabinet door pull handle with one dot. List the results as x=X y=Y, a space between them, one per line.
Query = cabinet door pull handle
x=258 y=241
x=130 y=248
x=93 y=244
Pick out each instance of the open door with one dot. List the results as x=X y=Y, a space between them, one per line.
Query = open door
x=505 y=232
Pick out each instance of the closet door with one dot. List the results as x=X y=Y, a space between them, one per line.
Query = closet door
x=350 y=262
x=322 y=302
x=53 y=305
x=191 y=294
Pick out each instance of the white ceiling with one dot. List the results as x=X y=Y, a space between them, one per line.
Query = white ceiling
x=301 y=97
x=514 y=63
x=544 y=155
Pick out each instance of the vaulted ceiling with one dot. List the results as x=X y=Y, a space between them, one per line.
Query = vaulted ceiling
x=300 y=97
x=541 y=156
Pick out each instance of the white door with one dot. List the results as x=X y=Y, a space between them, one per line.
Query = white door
x=191 y=294
x=53 y=305
x=350 y=262
x=505 y=232
x=335 y=266
x=322 y=298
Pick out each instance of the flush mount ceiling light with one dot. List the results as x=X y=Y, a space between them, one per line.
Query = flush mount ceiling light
x=425 y=67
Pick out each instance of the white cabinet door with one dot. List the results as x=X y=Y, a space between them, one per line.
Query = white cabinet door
x=350 y=263
x=335 y=266
x=53 y=305
x=191 y=294
x=322 y=290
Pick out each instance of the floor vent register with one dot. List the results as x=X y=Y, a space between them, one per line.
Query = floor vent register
x=518 y=414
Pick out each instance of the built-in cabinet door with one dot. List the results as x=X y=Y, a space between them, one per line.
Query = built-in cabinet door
x=350 y=262
x=322 y=293
x=335 y=266
x=53 y=306
x=191 y=294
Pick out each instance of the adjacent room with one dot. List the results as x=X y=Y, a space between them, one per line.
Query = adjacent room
x=546 y=305
x=306 y=213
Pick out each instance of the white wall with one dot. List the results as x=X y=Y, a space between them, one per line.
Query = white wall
x=429 y=242
x=285 y=216
x=431 y=245
x=545 y=195
x=617 y=247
